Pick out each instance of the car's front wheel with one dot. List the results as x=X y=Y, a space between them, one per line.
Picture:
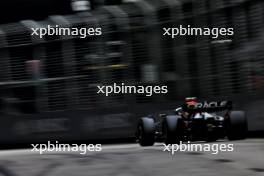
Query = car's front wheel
x=171 y=129
x=146 y=131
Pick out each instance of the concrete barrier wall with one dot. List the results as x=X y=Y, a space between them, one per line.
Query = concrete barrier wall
x=104 y=124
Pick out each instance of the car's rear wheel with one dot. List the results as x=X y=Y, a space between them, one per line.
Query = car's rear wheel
x=146 y=131
x=172 y=129
x=236 y=125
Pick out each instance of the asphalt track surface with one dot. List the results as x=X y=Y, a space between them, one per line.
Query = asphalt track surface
x=129 y=159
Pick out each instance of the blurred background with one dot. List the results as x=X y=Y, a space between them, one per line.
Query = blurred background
x=48 y=86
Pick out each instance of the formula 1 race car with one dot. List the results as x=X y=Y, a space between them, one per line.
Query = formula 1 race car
x=193 y=121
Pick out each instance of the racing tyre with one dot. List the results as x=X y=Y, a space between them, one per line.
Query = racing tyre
x=171 y=129
x=236 y=125
x=146 y=131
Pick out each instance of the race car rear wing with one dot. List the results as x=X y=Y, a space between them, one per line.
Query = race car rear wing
x=209 y=106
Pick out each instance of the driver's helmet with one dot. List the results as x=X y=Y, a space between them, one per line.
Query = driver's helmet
x=191 y=101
